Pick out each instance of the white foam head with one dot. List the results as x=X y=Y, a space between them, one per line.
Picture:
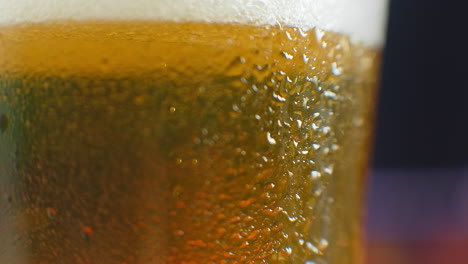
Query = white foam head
x=362 y=20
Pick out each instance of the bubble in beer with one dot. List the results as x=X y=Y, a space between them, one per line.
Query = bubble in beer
x=4 y=123
x=51 y=212
x=86 y=233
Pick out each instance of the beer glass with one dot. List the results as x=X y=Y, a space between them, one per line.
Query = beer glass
x=185 y=131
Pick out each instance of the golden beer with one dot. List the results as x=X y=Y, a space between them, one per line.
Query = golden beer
x=182 y=142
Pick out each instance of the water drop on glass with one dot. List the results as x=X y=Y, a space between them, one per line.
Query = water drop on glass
x=323 y=244
x=279 y=97
x=330 y=94
x=302 y=33
x=295 y=143
x=318 y=34
x=313 y=80
x=271 y=140
x=315 y=174
x=328 y=170
x=299 y=123
x=326 y=129
x=287 y=55
x=311 y=247
x=334 y=147
x=336 y=70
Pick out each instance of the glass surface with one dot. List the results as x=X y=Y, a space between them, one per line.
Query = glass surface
x=195 y=133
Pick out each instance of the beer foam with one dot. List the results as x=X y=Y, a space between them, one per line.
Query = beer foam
x=362 y=20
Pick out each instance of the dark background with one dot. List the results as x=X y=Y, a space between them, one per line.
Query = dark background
x=424 y=93
x=418 y=200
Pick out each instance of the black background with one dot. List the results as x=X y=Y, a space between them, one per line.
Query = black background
x=422 y=120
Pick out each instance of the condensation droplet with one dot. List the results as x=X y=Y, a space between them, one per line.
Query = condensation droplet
x=302 y=33
x=4 y=123
x=279 y=97
x=172 y=109
x=326 y=129
x=245 y=244
x=315 y=174
x=288 y=251
x=235 y=108
x=287 y=55
x=313 y=80
x=299 y=123
x=330 y=94
x=311 y=247
x=271 y=140
x=336 y=70
x=323 y=244
x=318 y=34
x=328 y=169
x=295 y=143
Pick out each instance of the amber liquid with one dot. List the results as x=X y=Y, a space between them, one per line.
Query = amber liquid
x=147 y=142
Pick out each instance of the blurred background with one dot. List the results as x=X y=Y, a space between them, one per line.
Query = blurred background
x=418 y=200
